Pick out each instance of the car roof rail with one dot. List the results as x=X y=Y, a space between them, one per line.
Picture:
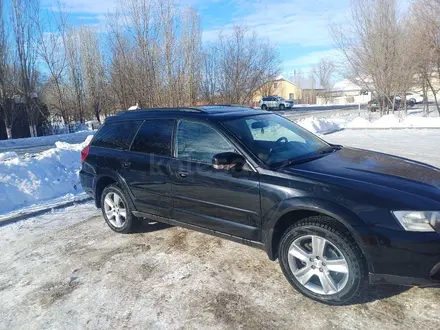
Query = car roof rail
x=182 y=109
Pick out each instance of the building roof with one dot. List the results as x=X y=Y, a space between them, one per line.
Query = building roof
x=281 y=77
x=349 y=85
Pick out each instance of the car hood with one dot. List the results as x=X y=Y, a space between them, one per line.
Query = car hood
x=376 y=168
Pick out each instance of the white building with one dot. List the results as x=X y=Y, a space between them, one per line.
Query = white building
x=346 y=92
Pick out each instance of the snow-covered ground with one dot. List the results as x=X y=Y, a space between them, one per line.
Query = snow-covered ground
x=393 y=121
x=421 y=145
x=29 y=181
x=320 y=124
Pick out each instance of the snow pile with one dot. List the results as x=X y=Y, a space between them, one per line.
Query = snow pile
x=319 y=125
x=43 y=140
x=7 y=155
x=387 y=121
x=49 y=175
x=391 y=121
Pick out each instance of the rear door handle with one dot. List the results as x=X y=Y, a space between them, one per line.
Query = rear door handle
x=125 y=164
x=183 y=174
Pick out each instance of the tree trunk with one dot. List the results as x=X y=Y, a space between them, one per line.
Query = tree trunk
x=405 y=107
x=434 y=92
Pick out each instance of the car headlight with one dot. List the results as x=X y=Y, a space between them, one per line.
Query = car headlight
x=422 y=221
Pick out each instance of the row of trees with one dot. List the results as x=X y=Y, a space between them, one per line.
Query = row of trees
x=150 y=53
x=392 y=51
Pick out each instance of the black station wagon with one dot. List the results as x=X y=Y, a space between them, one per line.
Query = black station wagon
x=337 y=218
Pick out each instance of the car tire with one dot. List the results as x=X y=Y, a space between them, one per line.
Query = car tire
x=264 y=107
x=340 y=252
x=118 y=215
x=282 y=107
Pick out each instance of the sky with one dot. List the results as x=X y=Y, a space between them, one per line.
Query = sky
x=298 y=28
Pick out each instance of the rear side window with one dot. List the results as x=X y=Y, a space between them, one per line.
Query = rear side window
x=154 y=137
x=116 y=135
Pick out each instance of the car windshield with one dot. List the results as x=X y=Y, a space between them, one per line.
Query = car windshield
x=275 y=140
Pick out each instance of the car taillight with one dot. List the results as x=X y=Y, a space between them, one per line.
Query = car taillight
x=84 y=153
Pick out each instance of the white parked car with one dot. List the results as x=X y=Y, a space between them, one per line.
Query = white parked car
x=416 y=98
x=274 y=102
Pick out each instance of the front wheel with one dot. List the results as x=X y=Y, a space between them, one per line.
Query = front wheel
x=282 y=107
x=322 y=261
x=264 y=107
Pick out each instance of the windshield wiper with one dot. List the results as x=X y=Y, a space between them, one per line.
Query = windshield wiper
x=319 y=154
x=299 y=161
x=329 y=150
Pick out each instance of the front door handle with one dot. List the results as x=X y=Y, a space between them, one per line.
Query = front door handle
x=183 y=174
x=125 y=164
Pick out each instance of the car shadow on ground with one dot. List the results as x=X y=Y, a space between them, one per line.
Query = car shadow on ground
x=150 y=226
x=382 y=291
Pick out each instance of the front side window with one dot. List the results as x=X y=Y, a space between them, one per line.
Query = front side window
x=154 y=137
x=199 y=142
x=116 y=135
x=275 y=140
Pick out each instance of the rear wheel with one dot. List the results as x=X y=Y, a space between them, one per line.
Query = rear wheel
x=322 y=261
x=117 y=211
x=282 y=107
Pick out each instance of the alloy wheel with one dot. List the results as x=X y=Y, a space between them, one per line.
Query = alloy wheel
x=318 y=265
x=115 y=209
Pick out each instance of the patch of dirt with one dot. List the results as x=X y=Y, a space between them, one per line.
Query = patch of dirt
x=51 y=292
x=234 y=310
x=178 y=241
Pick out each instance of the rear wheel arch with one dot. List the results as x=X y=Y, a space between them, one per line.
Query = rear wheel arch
x=101 y=183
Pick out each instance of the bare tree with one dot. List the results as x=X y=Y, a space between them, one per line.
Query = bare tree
x=209 y=87
x=426 y=28
x=51 y=51
x=191 y=48
x=93 y=71
x=24 y=15
x=7 y=116
x=244 y=63
x=370 y=45
x=76 y=92
x=323 y=73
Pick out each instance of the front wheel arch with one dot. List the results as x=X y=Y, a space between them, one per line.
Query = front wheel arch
x=344 y=219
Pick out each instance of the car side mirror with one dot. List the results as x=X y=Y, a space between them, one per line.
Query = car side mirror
x=228 y=161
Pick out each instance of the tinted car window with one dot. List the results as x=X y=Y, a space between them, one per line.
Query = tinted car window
x=154 y=137
x=199 y=142
x=116 y=135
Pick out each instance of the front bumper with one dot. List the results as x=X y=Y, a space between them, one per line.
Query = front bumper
x=404 y=258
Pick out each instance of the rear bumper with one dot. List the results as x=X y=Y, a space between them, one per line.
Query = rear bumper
x=86 y=180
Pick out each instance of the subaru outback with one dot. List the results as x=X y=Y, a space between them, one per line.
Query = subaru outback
x=337 y=218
